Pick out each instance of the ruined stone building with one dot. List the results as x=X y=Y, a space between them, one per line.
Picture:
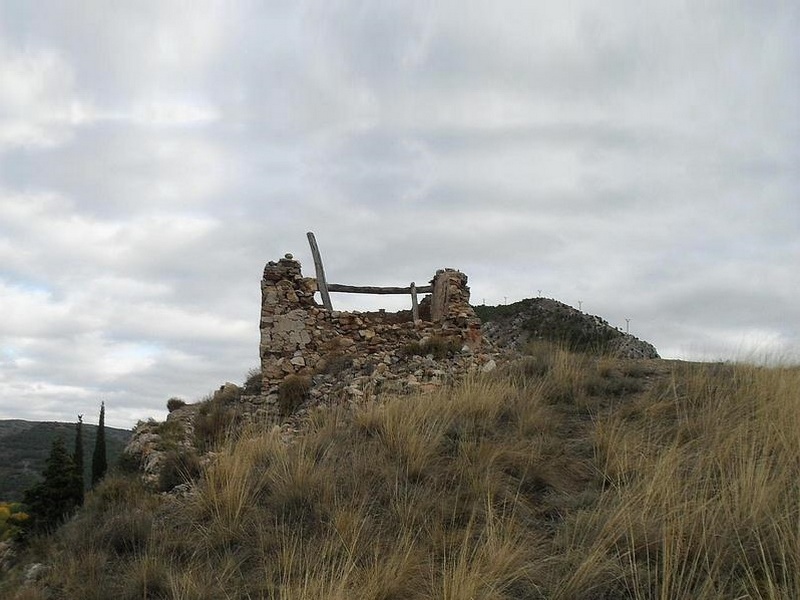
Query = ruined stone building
x=301 y=337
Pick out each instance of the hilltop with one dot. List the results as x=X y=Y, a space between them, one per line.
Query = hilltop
x=25 y=445
x=562 y=475
x=549 y=460
x=543 y=319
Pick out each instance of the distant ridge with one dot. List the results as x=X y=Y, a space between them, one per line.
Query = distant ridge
x=25 y=445
x=514 y=325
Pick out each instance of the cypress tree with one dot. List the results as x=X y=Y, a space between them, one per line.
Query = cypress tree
x=53 y=499
x=77 y=458
x=99 y=464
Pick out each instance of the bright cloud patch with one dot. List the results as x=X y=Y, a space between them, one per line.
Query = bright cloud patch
x=38 y=101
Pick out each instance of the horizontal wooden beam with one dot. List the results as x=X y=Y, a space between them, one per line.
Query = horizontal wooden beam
x=365 y=289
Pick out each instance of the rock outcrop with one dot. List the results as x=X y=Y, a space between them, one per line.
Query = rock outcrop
x=514 y=325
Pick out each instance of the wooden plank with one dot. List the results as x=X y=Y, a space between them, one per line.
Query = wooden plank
x=414 y=305
x=322 y=285
x=366 y=289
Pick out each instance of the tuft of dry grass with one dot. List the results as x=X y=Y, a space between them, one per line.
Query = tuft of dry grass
x=292 y=392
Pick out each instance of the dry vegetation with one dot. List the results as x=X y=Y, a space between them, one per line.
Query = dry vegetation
x=563 y=477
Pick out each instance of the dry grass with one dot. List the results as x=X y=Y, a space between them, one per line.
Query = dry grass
x=703 y=489
x=540 y=483
x=292 y=392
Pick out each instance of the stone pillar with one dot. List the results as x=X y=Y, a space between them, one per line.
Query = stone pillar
x=286 y=299
x=450 y=306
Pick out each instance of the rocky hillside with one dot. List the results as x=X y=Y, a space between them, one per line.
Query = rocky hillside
x=560 y=476
x=515 y=325
x=180 y=445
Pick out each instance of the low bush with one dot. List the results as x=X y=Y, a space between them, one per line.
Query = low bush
x=174 y=404
x=172 y=433
x=254 y=383
x=12 y=520
x=128 y=464
x=214 y=420
x=291 y=393
x=115 y=492
x=179 y=467
x=227 y=394
x=126 y=532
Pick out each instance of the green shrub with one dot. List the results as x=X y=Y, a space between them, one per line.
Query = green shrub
x=227 y=394
x=213 y=421
x=174 y=404
x=171 y=432
x=179 y=467
x=412 y=349
x=128 y=464
x=637 y=369
x=216 y=416
x=254 y=383
x=12 y=520
x=114 y=493
x=291 y=393
x=56 y=496
x=532 y=368
x=573 y=331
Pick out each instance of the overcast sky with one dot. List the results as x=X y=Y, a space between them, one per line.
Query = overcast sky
x=640 y=157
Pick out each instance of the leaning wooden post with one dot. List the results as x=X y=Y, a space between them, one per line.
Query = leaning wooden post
x=322 y=285
x=414 y=305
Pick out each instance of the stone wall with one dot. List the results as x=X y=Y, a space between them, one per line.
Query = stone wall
x=300 y=337
x=343 y=357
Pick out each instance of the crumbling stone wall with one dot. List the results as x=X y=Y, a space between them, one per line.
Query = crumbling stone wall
x=300 y=337
x=343 y=356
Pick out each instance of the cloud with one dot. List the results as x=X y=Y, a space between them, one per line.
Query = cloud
x=640 y=158
x=38 y=100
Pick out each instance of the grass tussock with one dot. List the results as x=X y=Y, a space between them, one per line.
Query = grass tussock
x=563 y=477
x=216 y=417
x=292 y=392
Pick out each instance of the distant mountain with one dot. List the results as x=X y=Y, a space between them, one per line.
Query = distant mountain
x=25 y=446
x=514 y=325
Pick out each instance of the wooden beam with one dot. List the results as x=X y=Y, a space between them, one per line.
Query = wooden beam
x=414 y=305
x=366 y=289
x=322 y=285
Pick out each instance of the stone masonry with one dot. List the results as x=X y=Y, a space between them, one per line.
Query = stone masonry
x=345 y=357
x=301 y=337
